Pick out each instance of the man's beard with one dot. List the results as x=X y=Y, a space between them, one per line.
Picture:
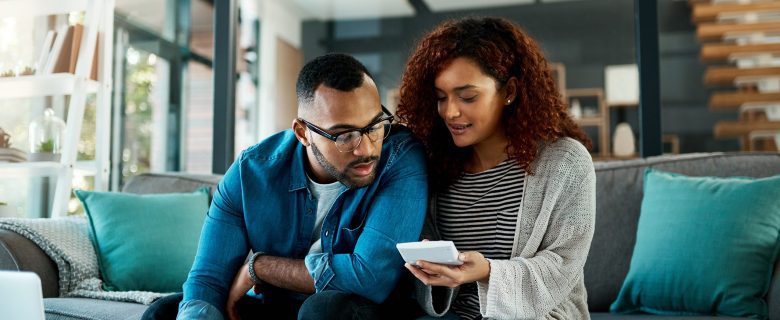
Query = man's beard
x=343 y=176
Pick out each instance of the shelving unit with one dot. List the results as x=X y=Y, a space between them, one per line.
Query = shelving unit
x=600 y=120
x=707 y=12
x=722 y=52
x=745 y=36
x=43 y=85
x=98 y=24
x=720 y=31
x=735 y=100
x=728 y=75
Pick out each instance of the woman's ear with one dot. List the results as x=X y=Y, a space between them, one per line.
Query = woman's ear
x=510 y=91
x=300 y=132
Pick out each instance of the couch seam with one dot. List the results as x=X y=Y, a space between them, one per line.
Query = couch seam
x=11 y=254
x=715 y=156
x=173 y=176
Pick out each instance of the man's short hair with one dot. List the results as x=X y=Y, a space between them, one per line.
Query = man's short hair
x=335 y=70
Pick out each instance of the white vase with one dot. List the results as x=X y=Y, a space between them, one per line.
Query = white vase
x=623 y=141
x=576 y=109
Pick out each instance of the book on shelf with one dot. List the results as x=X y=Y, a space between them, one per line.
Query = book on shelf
x=64 y=53
x=12 y=155
x=45 y=49
x=59 y=41
x=62 y=63
x=78 y=32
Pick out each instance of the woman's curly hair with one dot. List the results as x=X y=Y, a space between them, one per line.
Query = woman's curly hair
x=536 y=117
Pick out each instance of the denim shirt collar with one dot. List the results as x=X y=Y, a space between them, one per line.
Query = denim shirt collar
x=298 y=178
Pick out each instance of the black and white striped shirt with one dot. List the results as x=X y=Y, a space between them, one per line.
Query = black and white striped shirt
x=478 y=212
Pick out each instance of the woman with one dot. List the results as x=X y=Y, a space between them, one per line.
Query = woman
x=513 y=181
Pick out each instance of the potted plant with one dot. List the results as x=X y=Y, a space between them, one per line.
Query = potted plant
x=46 y=135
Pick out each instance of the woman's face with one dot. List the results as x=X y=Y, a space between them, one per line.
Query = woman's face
x=470 y=103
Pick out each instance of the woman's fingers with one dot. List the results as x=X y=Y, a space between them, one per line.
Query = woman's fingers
x=440 y=269
x=430 y=280
x=470 y=256
x=417 y=273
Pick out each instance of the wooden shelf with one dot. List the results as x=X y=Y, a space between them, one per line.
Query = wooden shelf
x=590 y=121
x=31 y=8
x=600 y=120
x=41 y=86
x=733 y=100
x=727 y=75
x=738 y=129
x=43 y=169
x=722 y=52
x=717 y=31
x=710 y=12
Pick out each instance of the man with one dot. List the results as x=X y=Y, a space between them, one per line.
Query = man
x=322 y=207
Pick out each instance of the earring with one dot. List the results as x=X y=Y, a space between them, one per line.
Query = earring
x=508 y=101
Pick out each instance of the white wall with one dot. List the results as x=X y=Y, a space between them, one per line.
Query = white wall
x=277 y=20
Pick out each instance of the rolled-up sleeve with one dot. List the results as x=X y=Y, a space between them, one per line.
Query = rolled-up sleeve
x=198 y=310
x=215 y=263
x=396 y=215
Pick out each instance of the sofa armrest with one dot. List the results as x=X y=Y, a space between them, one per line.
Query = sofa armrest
x=18 y=253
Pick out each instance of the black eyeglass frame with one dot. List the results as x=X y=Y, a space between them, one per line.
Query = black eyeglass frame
x=363 y=131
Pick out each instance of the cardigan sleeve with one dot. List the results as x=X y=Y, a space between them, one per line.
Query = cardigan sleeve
x=531 y=287
x=435 y=301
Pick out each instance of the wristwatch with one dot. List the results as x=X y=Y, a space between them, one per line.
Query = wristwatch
x=251 y=265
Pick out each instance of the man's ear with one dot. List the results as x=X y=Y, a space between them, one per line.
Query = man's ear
x=510 y=90
x=300 y=132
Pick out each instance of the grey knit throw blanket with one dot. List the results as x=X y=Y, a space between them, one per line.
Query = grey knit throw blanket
x=67 y=242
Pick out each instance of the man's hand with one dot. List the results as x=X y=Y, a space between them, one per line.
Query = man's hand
x=474 y=268
x=241 y=284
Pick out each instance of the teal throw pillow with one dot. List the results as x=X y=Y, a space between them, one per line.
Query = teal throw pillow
x=704 y=246
x=145 y=242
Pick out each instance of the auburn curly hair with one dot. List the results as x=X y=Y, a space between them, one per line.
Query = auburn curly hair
x=536 y=117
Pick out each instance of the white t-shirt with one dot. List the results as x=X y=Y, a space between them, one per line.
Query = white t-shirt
x=326 y=195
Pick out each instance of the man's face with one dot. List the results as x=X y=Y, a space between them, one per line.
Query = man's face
x=335 y=112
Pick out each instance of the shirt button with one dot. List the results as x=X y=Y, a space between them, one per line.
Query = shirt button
x=327 y=233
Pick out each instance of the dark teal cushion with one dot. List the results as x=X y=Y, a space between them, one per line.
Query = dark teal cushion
x=145 y=242
x=704 y=246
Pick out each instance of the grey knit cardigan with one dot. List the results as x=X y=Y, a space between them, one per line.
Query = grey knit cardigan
x=543 y=279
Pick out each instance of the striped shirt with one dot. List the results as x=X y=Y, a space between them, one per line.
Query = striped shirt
x=478 y=212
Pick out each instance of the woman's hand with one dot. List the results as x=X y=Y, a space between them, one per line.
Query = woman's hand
x=474 y=268
x=241 y=284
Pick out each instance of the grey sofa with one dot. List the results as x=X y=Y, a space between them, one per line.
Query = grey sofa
x=619 y=195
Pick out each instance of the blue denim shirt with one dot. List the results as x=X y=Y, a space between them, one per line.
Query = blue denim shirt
x=263 y=204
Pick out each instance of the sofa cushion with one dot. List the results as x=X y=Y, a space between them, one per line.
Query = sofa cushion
x=618 y=199
x=145 y=242
x=91 y=309
x=149 y=183
x=704 y=246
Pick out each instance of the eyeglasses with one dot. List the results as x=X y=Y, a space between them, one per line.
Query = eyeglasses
x=349 y=140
